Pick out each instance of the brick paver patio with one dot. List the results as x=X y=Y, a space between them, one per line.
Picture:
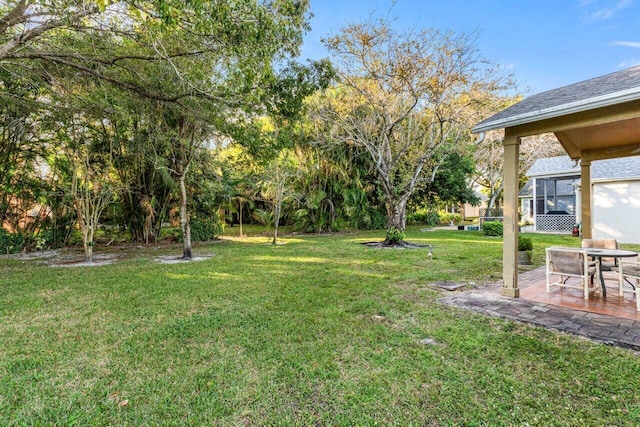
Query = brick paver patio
x=613 y=320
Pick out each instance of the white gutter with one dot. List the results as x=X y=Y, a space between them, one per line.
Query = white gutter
x=561 y=110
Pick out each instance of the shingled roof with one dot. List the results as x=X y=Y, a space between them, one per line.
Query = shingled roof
x=610 y=89
x=601 y=170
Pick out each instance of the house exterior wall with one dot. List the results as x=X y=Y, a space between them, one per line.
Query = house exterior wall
x=470 y=211
x=616 y=211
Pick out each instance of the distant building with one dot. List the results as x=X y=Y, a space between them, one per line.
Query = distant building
x=551 y=197
x=470 y=211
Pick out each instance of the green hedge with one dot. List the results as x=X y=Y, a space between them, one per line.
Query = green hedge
x=432 y=217
x=492 y=228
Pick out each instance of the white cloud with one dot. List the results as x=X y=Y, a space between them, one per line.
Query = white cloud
x=628 y=63
x=602 y=10
x=635 y=45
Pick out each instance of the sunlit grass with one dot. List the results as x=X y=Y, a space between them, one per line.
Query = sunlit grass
x=320 y=330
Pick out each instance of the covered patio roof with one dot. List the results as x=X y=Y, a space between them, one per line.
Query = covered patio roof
x=600 y=116
x=594 y=119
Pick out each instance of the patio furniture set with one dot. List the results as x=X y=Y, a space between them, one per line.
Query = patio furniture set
x=587 y=263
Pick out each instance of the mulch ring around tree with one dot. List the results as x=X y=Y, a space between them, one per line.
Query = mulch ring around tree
x=385 y=245
x=173 y=259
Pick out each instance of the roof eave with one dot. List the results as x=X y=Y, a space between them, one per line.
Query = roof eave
x=563 y=174
x=607 y=100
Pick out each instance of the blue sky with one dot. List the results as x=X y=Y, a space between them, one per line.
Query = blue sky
x=544 y=43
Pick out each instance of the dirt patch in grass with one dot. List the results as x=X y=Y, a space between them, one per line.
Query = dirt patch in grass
x=98 y=260
x=35 y=255
x=172 y=259
x=74 y=256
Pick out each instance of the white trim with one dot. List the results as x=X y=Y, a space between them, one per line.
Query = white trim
x=607 y=180
x=568 y=175
x=555 y=174
x=561 y=110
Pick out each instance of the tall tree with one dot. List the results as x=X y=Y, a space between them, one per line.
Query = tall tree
x=188 y=67
x=183 y=136
x=490 y=160
x=407 y=99
x=113 y=40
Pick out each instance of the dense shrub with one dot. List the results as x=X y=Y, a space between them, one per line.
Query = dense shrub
x=492 y=228
x=525 y=243
x=395 y=236
x=447 y=218
x=371 y=219
x=423 y=216
x=11 y=243
x=203 y=229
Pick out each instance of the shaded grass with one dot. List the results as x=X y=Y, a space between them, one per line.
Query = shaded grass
x=320 y=330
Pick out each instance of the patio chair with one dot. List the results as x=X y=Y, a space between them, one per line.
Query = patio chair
x=570 y=263
x=629 y=269
x=607 y=264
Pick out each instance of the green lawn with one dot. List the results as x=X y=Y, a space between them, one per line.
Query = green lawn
x=317 y=331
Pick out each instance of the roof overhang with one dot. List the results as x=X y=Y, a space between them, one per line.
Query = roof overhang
x=594 y=119
x=597 y=102
x=607 y=131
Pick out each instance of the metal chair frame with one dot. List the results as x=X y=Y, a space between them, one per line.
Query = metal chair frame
x=568 y=263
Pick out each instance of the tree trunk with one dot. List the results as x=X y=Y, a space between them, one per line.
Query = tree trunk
x=83 y=222
x=396 y=218
x=397 y=214
x=492 y=200
x=87 y=243
x=184 y=219
x=276 y=222
x=241 y=204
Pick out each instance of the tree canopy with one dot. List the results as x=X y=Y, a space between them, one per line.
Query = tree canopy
x=407 y=98
x=125 y=112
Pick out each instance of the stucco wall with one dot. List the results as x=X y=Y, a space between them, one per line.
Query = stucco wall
x=616 y=211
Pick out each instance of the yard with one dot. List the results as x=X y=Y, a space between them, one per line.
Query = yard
x=319 y=330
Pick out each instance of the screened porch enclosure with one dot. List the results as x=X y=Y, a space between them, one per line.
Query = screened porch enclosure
x=553 y=207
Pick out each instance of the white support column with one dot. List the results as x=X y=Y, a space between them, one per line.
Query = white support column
x=510 y=241
x=578 y=195
x=534 y=213
x=585 y=178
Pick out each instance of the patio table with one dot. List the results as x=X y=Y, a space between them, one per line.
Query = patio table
x=598 y=254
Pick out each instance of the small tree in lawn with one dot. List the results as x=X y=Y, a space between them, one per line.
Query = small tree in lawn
x=90 y=183
x=276 y=187
x=90 y=198
x=407 y=99
x=182 y=136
